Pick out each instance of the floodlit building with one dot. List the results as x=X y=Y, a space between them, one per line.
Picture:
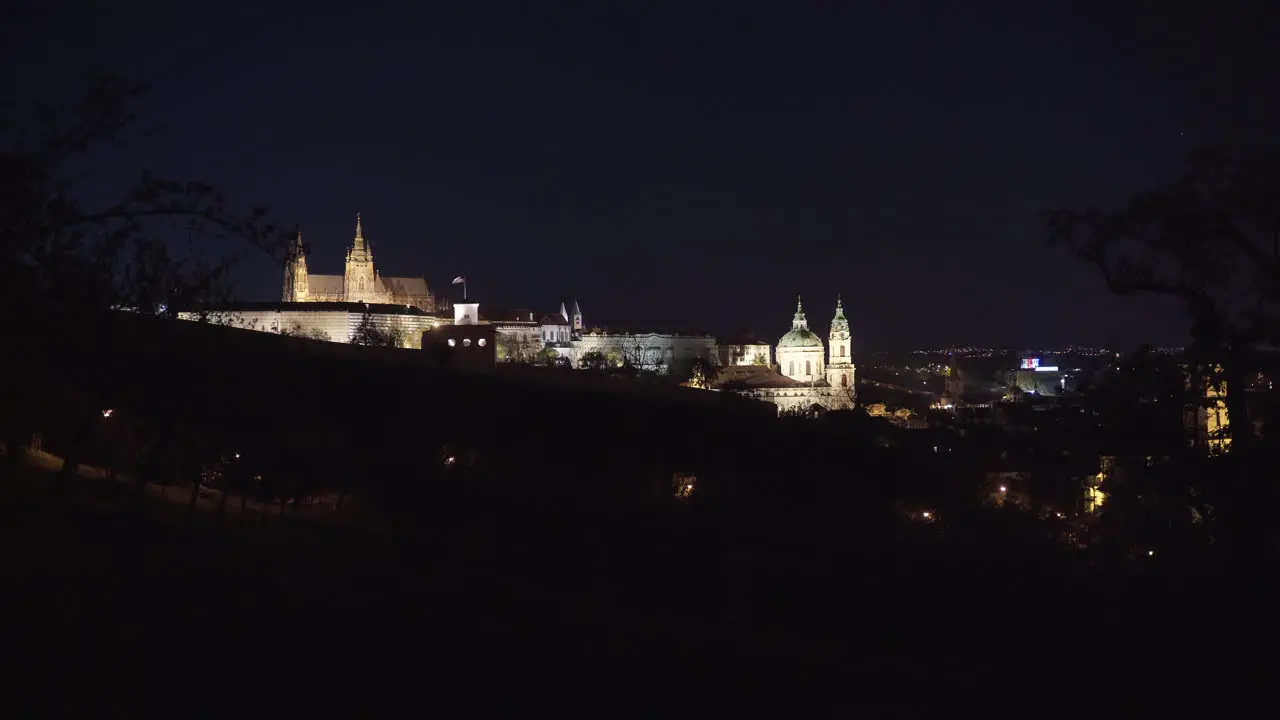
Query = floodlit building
x=805 y=377
x=360 y=282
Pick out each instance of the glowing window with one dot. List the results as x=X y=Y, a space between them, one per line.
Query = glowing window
x=452 y=342
x=481 y=342
x=466 y=342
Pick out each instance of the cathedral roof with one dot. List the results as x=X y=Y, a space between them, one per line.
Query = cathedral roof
x=800 y=336
x=406 y=285
x=325 y=284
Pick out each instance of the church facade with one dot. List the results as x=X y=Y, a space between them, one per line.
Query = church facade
x=359 y=283
x=806 y=376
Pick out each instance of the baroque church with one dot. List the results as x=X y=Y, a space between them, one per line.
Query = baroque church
x=805 y=376
x=359 y=283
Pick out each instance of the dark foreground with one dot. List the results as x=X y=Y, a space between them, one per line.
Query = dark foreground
x=114 y=609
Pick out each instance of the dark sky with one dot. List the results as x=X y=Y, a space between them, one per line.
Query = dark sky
x=687 y=166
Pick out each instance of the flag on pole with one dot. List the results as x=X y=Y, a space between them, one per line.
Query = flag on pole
x=459 y=280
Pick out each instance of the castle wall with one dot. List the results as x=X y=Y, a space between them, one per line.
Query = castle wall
x=651 y=351
x=338 y=325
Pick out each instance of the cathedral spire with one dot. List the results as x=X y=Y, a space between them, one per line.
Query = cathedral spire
x=296 y=287
x=799 y=322
x=358 y=244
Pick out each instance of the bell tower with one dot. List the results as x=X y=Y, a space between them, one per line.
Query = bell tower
x=296 y=286
x=840 y=369
x=360 y=282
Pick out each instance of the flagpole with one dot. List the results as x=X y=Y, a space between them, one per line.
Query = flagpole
x=464 y=290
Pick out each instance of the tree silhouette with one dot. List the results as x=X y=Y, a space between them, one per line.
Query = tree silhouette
x=1211 y=240
x=68 y=256
x=65 y=261
x=368 y=333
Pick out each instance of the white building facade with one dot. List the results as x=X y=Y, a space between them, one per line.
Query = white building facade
x=804 y=378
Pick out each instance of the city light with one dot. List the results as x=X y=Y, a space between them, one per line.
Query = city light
x=1003 y=488
x=107 y=413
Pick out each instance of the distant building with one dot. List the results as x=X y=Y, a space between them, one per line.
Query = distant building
x=804 y=377
x=1036 y=377
x=523 y=334
x=668 y=353
x=359 y=283
x=746 y=351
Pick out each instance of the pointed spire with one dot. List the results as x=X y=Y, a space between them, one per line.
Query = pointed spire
x=576 y=309
x=564 y=313
x=359 y=230
x=839 y=324
x=799 y=322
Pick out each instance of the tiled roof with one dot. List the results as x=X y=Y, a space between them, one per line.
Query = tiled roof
x=753 y=376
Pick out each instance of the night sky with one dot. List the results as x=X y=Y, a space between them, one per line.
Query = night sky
x=679 y=167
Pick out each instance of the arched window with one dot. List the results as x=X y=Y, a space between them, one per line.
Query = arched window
x=841 y=351
x=844 y=381
x=791 y=368
x=362 y=283
x=808 y=368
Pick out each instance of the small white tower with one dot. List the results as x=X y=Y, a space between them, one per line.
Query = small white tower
x=466 y=313
x=840 y=369
x=577 y=317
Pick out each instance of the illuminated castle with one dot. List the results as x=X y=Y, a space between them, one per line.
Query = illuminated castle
x=359 y=283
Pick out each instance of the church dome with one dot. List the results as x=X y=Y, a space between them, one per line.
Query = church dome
x=800 y=338
x=800 y=335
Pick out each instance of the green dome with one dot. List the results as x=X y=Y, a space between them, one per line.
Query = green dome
x=800 y=338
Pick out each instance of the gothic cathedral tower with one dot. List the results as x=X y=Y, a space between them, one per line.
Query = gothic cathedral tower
x=296 y=285
x=360 y=283
x=840 y=370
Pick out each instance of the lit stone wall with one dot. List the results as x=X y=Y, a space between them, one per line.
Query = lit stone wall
x=338 y=325
x=793 y=398
x=649 y=351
